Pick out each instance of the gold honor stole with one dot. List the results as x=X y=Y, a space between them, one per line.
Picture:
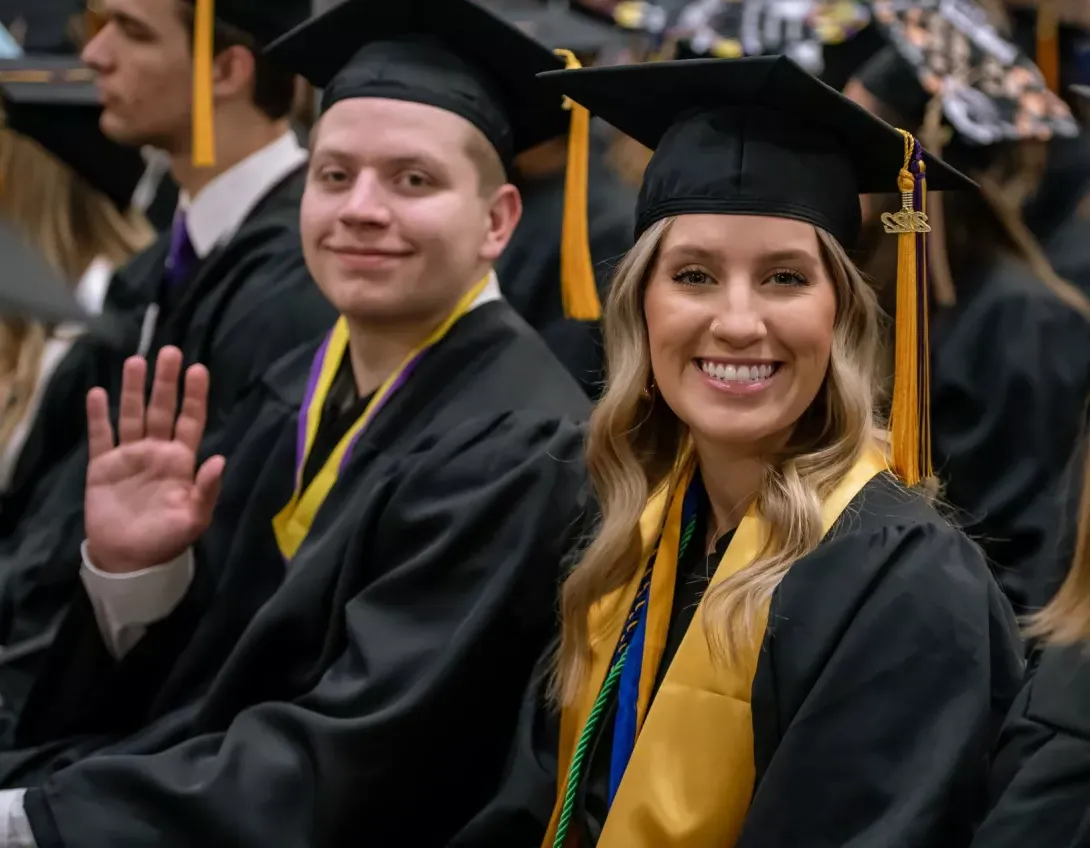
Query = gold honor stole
x=689 y=781
x=293 y=522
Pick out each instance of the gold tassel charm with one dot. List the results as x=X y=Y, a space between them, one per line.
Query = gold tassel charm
x=578 y=288
x=204 y=139
x=910 y=414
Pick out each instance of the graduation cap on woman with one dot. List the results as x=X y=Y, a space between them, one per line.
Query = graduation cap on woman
x=990 y=90
x=31 y=290
x=458 y=56
x=54 y=102
x=947 y=69
x=761 y=136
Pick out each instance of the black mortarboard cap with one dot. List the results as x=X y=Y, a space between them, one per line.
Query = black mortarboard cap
x=54 y=102
x=31 y=290
x=264 y=20
x=990 y=91
x=558 y=25
x=452 y=54
x=761 y=136
x=756 y=136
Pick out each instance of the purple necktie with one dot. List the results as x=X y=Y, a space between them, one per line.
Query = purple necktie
x=182 y=259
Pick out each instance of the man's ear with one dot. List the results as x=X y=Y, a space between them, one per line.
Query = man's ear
x=233 y=73
x=504 y=213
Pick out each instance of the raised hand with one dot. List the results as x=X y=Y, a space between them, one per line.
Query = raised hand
x=146 y=501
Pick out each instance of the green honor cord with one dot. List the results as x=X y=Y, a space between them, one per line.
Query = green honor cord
x=585 y=738
x=609 y=686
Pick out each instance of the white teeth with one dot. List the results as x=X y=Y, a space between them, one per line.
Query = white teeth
x=739 y=373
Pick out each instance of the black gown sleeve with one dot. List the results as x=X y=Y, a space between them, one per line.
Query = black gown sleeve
x=436 y=652
x=879 y=694
x=1041 y=775
x=1008 y=405
x=518 y=815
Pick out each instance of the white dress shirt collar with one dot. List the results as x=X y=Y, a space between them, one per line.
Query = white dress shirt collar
x=218 y=210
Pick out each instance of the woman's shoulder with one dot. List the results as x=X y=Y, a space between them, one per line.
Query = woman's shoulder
x=892 y=546
x=893 y=519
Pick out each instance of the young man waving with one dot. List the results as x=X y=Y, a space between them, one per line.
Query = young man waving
x=350 y=629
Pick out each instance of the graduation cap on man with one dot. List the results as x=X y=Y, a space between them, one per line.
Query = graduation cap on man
x=459 y=56
x=559 y=25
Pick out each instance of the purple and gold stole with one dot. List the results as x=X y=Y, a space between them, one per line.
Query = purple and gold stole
x=293 y=522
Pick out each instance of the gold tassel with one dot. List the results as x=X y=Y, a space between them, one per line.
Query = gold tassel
x=204 y=139
x=579 y=291
x=93 y=21
x=910 y=416
x=1048 y=43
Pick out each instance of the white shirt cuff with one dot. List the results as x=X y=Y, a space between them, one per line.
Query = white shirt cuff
x=14 y=824
x=126 y=604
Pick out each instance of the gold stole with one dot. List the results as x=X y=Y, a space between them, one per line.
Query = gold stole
x=292 y=524
x=690 y=778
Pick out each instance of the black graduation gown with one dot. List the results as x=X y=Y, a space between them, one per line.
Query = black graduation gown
x=367 y=690
x=1052 y=214
x=890 y=660
x=1041 y=777
x=529 y=269
x=250 y=302
x=1010 y=376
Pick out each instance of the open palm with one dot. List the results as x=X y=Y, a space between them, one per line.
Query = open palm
x=146 y=501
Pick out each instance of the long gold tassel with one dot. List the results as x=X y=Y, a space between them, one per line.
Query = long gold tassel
x=579 y=291
x=204 y=139
x=1048 y=43
x=910 y=414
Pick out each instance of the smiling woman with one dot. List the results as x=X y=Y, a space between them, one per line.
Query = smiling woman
x=772 y=639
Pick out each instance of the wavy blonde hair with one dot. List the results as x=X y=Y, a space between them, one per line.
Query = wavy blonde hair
x=635 y=441
x=70 y=224
x=1065 y=620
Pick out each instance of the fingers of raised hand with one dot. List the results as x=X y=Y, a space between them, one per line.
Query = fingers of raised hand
x=163 y=405
x=207 y=486
x=130 y=423
x=189 y=428
x=100 y=433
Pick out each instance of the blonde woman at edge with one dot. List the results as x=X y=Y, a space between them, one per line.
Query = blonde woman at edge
x=1040 y=784
x=82 y=223
x=773 y=639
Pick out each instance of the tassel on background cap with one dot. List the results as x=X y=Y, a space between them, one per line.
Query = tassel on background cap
x=1048 y=43
x=204 y=139
x=910 y=415
x=93 y=21
x=577 y=284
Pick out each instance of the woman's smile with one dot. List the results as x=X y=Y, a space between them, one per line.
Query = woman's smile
x=737 y=377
